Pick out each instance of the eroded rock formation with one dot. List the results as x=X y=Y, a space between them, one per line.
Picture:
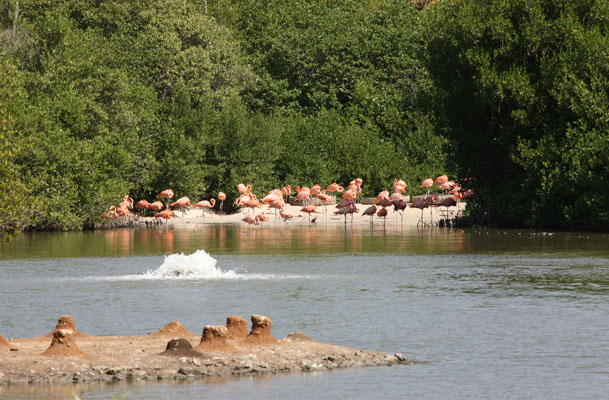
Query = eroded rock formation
x=63 y=344
x=261 y=331
x=67 y=322
x=173 y=329
x=180 y=347
x=3 y=342
x=214 y=339
x=236 y=326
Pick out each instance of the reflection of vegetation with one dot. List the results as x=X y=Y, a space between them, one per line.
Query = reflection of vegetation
x=98 y=99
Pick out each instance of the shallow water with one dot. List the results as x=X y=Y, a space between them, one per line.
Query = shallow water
x=489 y=314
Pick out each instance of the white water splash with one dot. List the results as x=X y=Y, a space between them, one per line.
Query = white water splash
x=198 y=265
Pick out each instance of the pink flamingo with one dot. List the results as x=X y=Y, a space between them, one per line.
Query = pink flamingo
x=155 y=206
x=182 y=202
x=277 y=205
x=142 y=205
x=441 y=179
x=287 y=191
x=285 y=215
x=399 y=186
x=383 y=195
x=309 y=209
x=262 y=218
x=250 y=219
x=166 y=214
x=325 y=199
x=221 y=197
x=166 y=194
x=303 y=193
x=427 y=183
x=206 y=204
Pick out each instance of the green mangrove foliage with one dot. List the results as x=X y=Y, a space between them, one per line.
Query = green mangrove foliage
x=523 y=94
x=99 y=99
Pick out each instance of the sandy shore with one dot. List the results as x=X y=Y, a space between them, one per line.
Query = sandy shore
x=324 y=215
x=69 y=356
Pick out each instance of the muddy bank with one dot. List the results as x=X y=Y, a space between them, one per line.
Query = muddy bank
x=68 y=356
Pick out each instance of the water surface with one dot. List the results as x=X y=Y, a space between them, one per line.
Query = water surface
x=489 y=314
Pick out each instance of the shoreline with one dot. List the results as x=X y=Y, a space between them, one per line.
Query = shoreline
x=67 y=356
x=410 y=217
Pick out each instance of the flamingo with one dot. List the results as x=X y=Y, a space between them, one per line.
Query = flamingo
x=182 y=202
x=221 y=197
x=315 y=190
x=309 y=209
x=250 y=219
x=325 y=199
x=432 y=199
x=353 y=210
x=262 y=217
x=447 y=202
x=343 y=211
x=122 y=210
x=166 y=214
x=142 y=205
x=350 y=194
x=334 y=187
x=396 y=196
x=441 y=179
x=303 y=193
x=382 y=213
x=447 y=186
x=383 y=202
x=243 y=199
x=126 y=203
x=352 y=191
x=206 y=204
x=285 y=215
x=253 y=203
x=166 y=194
x=277 y=205
x=356 y=185
x=343 y=203
x=287 y=191
x=370 y=211
x=110 y=214
x=427 y=183
x=156 y=206
x=244 y=189
x=399 y=205
x=273 y=195
x=422 y=205
x=383 y=195
x=399 y=186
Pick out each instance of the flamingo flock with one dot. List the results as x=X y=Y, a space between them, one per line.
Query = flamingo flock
x=309 y=197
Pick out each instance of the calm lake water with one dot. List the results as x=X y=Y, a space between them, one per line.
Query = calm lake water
x=487 y=313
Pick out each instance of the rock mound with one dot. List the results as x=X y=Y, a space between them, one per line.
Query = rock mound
x=67 y=322
x=236 y=326
x=299 y=337
x=214 y=339
x=63 y=345
x=261 y=331
x=180 y=347
x=173 y=329
x=3 y=342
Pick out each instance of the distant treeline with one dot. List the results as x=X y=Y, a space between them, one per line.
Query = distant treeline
x=103 y=98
